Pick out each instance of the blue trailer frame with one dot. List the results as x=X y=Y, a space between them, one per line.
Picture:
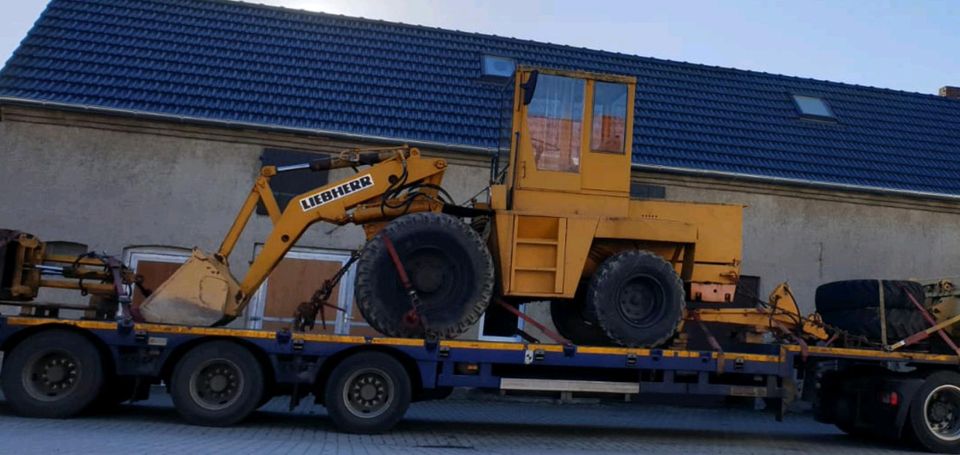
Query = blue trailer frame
x=299 y=364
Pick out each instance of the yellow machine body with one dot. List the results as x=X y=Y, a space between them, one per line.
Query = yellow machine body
x=564 y=203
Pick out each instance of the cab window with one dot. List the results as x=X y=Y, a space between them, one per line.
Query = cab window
x=554 y=121
x=608 y=132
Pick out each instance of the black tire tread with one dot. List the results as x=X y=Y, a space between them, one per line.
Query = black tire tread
x=569 y=320
x=901 y=322
x=855 y=294
x=915 y=428
x=80 y=347
x=367 y=273
x=347 y=422
x=620 y=260
x=253 y=392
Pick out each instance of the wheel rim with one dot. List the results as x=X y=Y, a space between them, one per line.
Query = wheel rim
x=51 y=375
x=368 y=393
x=216 y=384
x=641 y=301
x=439 y=278
x=941 y=412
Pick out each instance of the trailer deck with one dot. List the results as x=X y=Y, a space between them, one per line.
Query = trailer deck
x=304 y=364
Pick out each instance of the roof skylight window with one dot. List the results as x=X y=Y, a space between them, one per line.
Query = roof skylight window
x=813 y=107
x=496 y=68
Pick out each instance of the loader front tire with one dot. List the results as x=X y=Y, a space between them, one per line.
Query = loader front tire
x=637 y=298
x=450 y=269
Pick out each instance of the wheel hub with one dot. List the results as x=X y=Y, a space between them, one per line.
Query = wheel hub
x=369 y=393
x=428 y=273
x=216 y=384
x=641 y=300
x=942 y=412
x=51 y=376
x=219 y=383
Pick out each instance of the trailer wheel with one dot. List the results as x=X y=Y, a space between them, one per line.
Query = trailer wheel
x=367 y=393
x=217 y=384
x=934 y=418
x=52 y=374
x=637 y=298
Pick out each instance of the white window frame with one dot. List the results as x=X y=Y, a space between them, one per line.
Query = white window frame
x=521 y=324
x=258 y=302
x=169 y=254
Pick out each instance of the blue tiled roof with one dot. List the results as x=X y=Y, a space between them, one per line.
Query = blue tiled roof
x=239 y=62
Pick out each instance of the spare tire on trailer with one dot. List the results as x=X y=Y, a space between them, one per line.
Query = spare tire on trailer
x=449 y=267
x=855 y=294
x=854 y=306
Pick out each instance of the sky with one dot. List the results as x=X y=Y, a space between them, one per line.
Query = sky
x=911 y=45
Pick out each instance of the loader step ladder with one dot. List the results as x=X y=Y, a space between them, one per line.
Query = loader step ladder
x=538 y=251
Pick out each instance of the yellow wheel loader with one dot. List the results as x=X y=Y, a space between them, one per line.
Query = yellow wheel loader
x=559 y=225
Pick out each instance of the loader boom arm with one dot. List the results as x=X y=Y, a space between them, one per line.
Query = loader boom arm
x=398 y=181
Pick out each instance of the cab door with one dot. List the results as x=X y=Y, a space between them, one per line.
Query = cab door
x=551 y=129
x=605 y=164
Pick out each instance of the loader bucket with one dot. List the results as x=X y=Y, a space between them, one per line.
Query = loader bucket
x=197 y=294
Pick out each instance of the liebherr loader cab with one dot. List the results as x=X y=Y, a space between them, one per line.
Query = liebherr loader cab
x=566 y=229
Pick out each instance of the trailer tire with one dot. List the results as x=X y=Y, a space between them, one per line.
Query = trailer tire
x=217 y=384
x=52 y=374
x=637 y=298
x=367 y=393
x=934 y=417
x=448 y=265
x=571 y=320
x=116 y=391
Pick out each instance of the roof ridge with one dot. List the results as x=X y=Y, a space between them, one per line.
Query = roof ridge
x=567 y=46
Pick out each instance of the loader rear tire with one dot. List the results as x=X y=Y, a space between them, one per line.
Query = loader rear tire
x=637 y=298
x=572 y=321
x=52 y=374
x=449 y=267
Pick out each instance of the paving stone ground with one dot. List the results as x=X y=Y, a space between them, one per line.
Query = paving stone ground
x=454 y=426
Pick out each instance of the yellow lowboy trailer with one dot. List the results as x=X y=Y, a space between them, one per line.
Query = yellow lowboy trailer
x=54 y=367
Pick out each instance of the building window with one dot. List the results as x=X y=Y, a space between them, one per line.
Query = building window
x=496 y=69
x=813 y=107
x=155 y=264
x=609 y=117
x=644 y=191
x=289 y=184
x=554 y=119
x=294 y=280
